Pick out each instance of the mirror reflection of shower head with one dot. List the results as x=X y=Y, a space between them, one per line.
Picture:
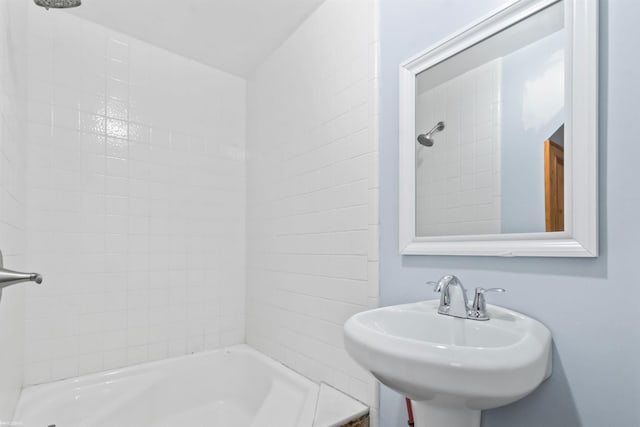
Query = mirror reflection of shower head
x=58 y=4
x=426 y=139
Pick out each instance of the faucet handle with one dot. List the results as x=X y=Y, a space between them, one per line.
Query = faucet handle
x=479 y=307
x=484 y=291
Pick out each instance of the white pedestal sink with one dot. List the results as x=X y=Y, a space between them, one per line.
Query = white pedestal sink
x=451 y=368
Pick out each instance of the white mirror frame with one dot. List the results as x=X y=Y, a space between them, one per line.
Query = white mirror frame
x=580 y=238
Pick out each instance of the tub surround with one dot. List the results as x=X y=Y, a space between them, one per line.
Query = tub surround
x=337 y=409
x=135 y=166
x=136 y=184
x=13 y=64
x=312 y=221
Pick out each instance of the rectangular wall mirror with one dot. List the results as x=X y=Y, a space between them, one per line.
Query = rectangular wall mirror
x=498 y=136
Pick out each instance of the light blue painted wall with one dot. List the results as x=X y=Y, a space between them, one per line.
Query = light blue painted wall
x=522 y=145
x=592 y=306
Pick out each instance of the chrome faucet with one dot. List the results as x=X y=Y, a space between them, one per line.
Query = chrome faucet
x=453 y=296
x=10 y=277
x=454 y=301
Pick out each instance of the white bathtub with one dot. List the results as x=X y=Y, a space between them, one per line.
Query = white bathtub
x=234 y=387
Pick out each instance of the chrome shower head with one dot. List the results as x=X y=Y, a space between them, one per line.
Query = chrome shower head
x=426 y=138
x=58 y=4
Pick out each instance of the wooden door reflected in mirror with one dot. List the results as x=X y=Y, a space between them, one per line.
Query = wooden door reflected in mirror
x=554 y=185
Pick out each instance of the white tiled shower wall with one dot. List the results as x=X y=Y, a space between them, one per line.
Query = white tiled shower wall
x=312 y=221
x=136 y=178
x=12 y=196
x=458 y=180
x=135 y=206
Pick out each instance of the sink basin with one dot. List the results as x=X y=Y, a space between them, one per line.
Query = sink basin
x=451 y=368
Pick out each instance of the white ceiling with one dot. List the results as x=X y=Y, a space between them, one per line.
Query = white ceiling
x=232 y=35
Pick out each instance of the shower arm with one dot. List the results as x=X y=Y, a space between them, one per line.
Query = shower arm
x=433 y=129
x=439 y=127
